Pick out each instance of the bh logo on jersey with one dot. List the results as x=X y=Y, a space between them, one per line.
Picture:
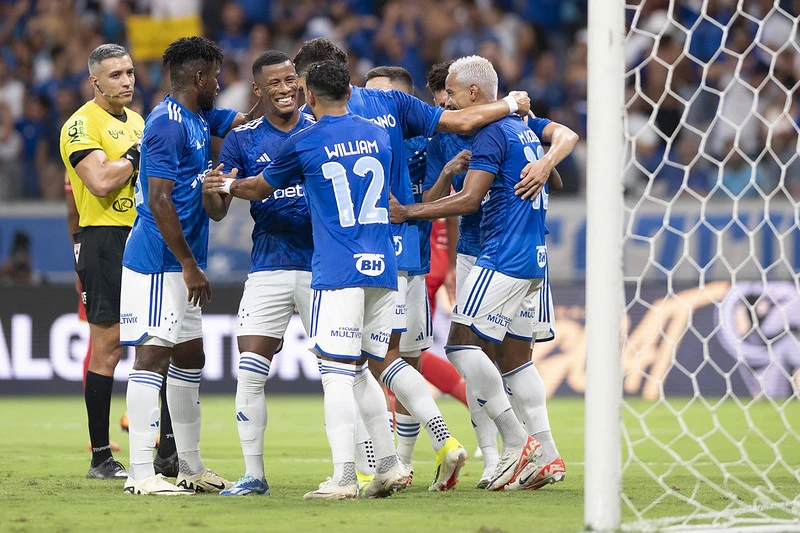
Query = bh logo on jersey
x=370 y=264
x=541 y=255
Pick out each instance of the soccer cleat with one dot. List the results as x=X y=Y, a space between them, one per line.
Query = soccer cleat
x=386 y=484
x=123 y=422
x=205 y=481
x=409 y=470
x=329 y=491
x=167 y=466
x=155 y=484
x=535 y=477
x=108 y=469
x=486 y=476
x=363 y=480
x=247 y=485
x=449 y=461
x=513 y=461
x=113 y=446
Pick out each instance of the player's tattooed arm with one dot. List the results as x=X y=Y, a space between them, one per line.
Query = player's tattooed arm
x=471 y=119
x=454 y=167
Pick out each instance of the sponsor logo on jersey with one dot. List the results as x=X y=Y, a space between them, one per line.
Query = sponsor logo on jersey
x=122 y=205
x=128 y=318
x=398 y=244
x=370 y=264
x=541 y=255
x=263 y=158
x=295 y=191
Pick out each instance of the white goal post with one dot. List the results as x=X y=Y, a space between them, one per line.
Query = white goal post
x=693 y=266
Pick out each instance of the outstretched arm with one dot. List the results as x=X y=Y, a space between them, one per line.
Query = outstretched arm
x=471 y=119
x=467 y=201
x=252 y=188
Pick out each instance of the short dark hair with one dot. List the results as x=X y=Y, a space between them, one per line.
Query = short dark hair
x=395 y=74
x=105 y=51
x=187 y=55
x=316 y=50
x=270 y=57
x=437 y=75
x=328 y=79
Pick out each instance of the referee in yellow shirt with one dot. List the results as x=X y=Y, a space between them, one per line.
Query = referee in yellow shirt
x=99 y=147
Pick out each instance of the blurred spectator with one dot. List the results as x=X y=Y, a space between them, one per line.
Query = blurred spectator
x=237 y=90
x=17 y=268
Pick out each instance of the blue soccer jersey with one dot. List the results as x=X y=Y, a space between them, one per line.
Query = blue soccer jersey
x=403 y=116
x=176 y=145
x=416 y=154
x=282 y=232
x=442 y=148
x=512 y=229
x=344 y=162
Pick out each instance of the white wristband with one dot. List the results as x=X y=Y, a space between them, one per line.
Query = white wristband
x=512 y=104
x=226 y=187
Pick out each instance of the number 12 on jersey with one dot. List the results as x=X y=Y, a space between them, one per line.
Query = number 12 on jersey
x=369 y=213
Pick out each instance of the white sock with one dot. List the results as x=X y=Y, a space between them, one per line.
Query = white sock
x=141 y=399
x=251 y=410
x=365 y=450
x=411 y=389
x=370 y=401
x=530 y=395
x=487 y=383
x=340 y=418
x=407 y=431
x=485 y=430
x=183 y=397
x=516 y=406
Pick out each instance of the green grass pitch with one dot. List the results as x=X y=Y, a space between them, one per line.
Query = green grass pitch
x=43 y=463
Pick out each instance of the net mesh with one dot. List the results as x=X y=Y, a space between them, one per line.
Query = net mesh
x=711 y=423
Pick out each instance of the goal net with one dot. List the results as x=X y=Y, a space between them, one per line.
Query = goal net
x=711 y=266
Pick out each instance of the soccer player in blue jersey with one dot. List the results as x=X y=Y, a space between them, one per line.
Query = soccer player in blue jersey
x=448 y=147
x=494 y=303
x=418 y=335
x=280 y=271
x=344 y=161
x=404 y=116
x=163 y=283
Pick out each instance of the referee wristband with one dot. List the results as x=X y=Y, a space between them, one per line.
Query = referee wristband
x=226 y=187
x=512 y=104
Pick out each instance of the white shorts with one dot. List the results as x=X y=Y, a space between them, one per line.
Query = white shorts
x=399 y=320
x=495 y=305
x=155 y=309
x=418 y=335
x=545 y=328
x=464 y=264
x=353 y=322
x=269 y=300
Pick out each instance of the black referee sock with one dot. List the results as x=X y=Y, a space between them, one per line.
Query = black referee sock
x=166 y=438
x=98 y=409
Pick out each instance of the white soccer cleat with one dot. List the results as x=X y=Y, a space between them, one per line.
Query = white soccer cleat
x=205 y=481
x=513 y=461
x=155 y=484
x=329 y=491
x=386 y=484
x=535 y=476
x=487 y=475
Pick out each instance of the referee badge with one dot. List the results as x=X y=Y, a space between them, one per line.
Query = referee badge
x=76 y=249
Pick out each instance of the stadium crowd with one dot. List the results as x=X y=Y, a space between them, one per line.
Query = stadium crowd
x=538 y=46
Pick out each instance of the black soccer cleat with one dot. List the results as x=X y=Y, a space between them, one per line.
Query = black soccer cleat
x=108 y=469
x=166 y=466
